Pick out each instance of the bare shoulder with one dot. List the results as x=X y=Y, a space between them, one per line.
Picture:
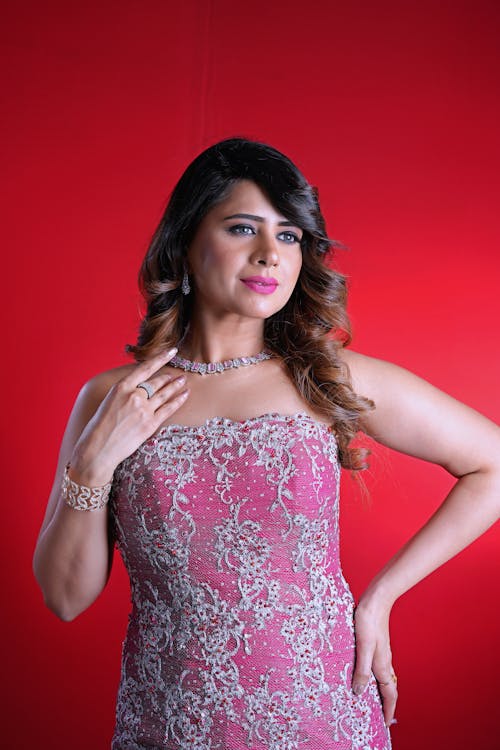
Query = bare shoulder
x=370 y=376
x=97 y=388
x=413 y=416
x=391 y=386
x=90 y=397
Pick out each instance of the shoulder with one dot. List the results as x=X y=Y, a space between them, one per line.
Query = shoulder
x=413 y=416
x=372 y=377
x=88 y=401
x=379 y=379
x=96 y=389
x=388 y=384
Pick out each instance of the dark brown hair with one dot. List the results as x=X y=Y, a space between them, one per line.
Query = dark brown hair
x=309 y=330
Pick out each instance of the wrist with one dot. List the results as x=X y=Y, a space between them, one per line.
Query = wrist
x=82 y=497
x=377 y=596
x=89 y=471
x=88 y=477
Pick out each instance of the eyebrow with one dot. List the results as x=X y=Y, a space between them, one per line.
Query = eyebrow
x=258 y=218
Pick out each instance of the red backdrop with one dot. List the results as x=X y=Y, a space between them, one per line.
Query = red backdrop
x=392 y=109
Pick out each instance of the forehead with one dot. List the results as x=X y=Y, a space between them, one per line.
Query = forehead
x=246 y=196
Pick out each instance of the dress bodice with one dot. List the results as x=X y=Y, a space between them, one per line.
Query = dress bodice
x=241 y=631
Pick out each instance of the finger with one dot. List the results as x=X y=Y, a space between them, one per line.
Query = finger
x=159 y=380
x=144 y=370
x=171 y=406
x=167 y=390
x=387 y=684
x=363 y=665
x=389 y=695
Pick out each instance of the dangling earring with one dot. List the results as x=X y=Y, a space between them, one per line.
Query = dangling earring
x=185 y=283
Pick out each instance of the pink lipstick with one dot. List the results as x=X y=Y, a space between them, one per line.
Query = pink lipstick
x=261 y=284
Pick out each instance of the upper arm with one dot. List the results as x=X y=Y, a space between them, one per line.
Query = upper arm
x=85 y=406
x=414 y=417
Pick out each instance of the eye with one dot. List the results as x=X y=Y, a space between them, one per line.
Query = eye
x=241 y=229
x=290 y=237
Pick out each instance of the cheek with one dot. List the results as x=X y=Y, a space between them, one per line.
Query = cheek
x=214 y=260
x=207 y=258
x=295 y=266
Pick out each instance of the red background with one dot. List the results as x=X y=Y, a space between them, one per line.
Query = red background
x=392 y=109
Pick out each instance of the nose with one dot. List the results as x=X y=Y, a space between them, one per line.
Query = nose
x=266 y=252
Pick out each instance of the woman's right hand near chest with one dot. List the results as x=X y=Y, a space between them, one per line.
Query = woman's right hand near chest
x=111 y=418
x=126 y=417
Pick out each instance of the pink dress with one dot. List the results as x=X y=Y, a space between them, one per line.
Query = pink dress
x=241 y=631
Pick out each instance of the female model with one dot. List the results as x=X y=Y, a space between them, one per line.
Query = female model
x=219 y=451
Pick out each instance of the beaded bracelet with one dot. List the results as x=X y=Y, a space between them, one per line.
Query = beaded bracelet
x=80 y=497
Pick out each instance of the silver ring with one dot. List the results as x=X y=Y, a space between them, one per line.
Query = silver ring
x=148 y=388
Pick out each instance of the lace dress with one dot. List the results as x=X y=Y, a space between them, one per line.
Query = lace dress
x=241 y=630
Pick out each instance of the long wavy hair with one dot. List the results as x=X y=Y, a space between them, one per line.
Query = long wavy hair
x=309 y=330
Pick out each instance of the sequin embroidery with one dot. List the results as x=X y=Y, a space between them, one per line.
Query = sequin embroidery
x=241 y=631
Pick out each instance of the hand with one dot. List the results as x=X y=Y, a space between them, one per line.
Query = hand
x=373 y=654
x=125 y=419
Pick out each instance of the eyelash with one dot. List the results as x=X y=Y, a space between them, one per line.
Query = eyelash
x=236 y=227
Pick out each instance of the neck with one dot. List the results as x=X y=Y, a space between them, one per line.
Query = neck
x=214 y=342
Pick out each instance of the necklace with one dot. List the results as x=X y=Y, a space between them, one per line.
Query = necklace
x=208 y=368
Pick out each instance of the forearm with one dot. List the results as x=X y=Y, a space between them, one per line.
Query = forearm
x=72 y=559
x=471 y=507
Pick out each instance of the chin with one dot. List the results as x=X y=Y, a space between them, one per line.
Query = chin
x=264 y=311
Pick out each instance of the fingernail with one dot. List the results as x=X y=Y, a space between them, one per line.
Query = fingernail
x=171 y=352
x=392 y=721
x=358 y=689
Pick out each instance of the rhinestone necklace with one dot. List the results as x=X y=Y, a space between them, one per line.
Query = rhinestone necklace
x=209 y=368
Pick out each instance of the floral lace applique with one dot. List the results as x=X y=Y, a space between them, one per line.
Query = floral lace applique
x=241 y=631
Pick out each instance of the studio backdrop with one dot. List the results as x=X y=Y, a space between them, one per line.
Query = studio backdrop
x=391 y=109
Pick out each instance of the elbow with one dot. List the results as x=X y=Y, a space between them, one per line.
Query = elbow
x=63 y=603
x=65 y=593
x=52 y=598
x=65 y=608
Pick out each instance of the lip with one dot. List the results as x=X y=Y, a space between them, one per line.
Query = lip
x=262 y=280
x=261 y=284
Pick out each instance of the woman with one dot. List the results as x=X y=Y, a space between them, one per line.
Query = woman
x=223 y=474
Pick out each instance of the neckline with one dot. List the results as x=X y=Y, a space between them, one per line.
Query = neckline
x=218 y=420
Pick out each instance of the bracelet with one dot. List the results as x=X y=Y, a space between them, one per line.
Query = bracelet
x=79 y=497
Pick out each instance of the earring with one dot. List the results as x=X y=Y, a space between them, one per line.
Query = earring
x=185 y=283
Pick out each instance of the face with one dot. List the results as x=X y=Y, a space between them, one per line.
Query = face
x=245 y=258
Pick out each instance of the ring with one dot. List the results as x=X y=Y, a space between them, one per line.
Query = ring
x=148 y=388
x=393 y=679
